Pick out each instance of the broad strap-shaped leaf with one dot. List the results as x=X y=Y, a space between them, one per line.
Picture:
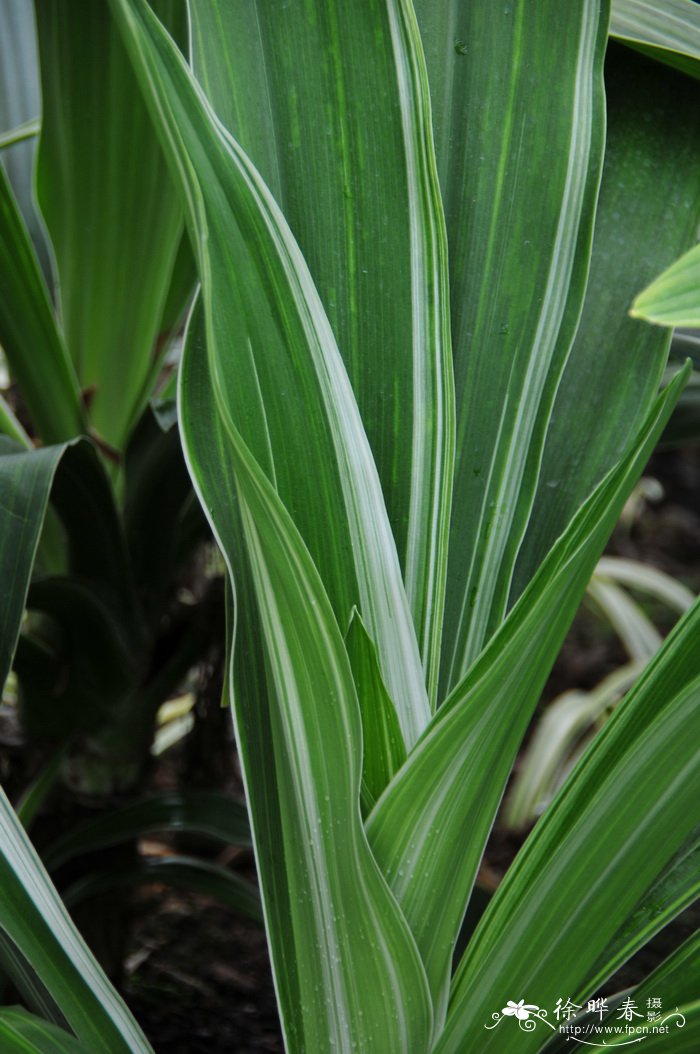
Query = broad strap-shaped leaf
x=331 y=104
x=347 y=971
x=519 y=168
x=453 y=780
x=666 y=30
x=28 y=332
x=614 y=370
x=620 y=818
x=275 y=364
x=34 y=920
x=23 y=1033
x=110 y=209
x=673 y=299
x=202 y=812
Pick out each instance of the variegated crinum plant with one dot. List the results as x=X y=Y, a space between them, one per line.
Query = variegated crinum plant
x=412 y=402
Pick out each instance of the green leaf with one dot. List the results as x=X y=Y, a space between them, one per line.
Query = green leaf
x=23 y=1033
x=666 y=30
x=275 y=364
x=677 y=978
x=331 y=104
x=673 y=299
x=683 y=1036
x=201 y=812
x=454 y=778
x=84 y=499
x=676 y=887
x=618 y=821
x=35 y=794
x=179 y=872
x=347 y=972
x=157 y=491
x=38 y=938
x=518 y=248
x=28 y=332
x=109 y=207
x=25 y=481
x=383 y=751
x=616 y=363
x=20 y=104
x=11 y=427
x=33 y=918
x=22 y=132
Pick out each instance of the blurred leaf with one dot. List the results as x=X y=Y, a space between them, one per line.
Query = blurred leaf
x=11 y=427
x=22 y=132
x=25 y=481
x=666 y=30
x=673 y=299
x=201 y=812
x=28 y=332
x=93 y=667
x=157 y=490
x=84 y=499
x=33 y=918
x=23 y=1033
x=558 y=730
x=179 y=872
x=684 y=426
x=20 y=103
x=108 y=203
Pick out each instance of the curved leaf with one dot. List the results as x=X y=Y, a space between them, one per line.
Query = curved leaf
x=25 y=481
x=180 y=872
x=616 y=824
x=109 y=207
x=454 y=778
x=23 y=1033
x=200 y=812
x=666 y=30
x=274 y=362
x=331 y=104
x=30 y=337
x=347 y=971
x=33 y=918
x=673 y=299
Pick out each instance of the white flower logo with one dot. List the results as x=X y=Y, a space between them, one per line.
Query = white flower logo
x=521 y=1010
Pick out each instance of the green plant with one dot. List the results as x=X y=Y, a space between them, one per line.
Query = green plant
x=564 y=728
x=411 y=459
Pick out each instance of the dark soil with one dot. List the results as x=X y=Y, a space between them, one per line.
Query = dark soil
x=198 y=979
